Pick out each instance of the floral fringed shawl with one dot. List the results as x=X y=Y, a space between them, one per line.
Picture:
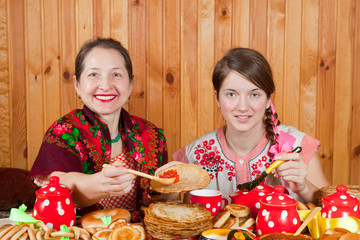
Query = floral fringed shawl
x=81 y=142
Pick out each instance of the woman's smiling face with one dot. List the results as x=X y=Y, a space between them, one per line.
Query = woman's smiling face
x=242 y=103
x=104 y=85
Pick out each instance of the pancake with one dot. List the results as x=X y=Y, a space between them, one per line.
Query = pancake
x=191 y=177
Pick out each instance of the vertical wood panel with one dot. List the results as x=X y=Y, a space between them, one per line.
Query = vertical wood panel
x=137 y=50
x=292 y=50
x=355 y=128
x=102 y=18
x=84 y=22
x=342 y=119
x=120 y=21
x=189 y=69
x=326 y=83
x=4 y=88
x=17 y=84
x=223 y=16
x=275 y=49
x=241 y=23
x=172 y=105
x=68 y=54
x=50 y=21
x=258 y=25
x=154 y=63
x=34 y=76
x=206 y=40
x=309 y=60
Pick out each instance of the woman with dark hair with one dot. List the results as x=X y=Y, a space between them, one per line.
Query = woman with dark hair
x=239 y=151
x=76 y=146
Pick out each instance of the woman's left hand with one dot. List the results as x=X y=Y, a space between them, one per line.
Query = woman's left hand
x=293 y=171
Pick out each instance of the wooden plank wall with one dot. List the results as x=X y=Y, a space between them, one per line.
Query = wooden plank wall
x=312 y=45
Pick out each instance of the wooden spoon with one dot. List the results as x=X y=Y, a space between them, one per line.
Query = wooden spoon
x=165 y=181
x=307 y=220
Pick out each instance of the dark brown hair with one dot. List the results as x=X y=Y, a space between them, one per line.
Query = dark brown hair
x=255 y=68
x=107 y=43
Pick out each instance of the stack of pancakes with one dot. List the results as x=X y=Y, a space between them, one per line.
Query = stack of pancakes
x=168 y=220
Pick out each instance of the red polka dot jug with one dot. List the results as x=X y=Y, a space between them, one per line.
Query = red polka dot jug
x=252 y=198
x=340 y=204
x=277 y=213
x=54 y=205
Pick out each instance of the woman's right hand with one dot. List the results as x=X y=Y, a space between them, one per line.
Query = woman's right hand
x=116 y=180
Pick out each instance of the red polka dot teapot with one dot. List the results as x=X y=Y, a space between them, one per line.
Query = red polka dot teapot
x=54 y=205
x=340 y=204
x=252 y=198
x=277 y=213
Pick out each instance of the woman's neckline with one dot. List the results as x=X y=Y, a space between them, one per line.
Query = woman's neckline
x=251 y=154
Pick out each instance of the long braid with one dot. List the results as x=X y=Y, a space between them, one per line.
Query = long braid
x=271 y=122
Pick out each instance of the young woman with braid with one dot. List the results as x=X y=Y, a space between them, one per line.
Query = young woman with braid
x=239 y=151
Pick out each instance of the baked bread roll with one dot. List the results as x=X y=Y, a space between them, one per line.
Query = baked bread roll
x=238 y=210
x=333 y=233
x=93 y=219
x=220 y=219
x=231 y=223
x=247 y=223
x=350 y=236
x=102 y=234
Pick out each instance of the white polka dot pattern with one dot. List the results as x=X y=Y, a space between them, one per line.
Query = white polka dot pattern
x=277 y=213
x=271 y=224
x=61 y=211
x=284 y=214
x=54 y=205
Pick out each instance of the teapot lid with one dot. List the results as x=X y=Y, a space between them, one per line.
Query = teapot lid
x=278 y=198
x=54 y=188
x=341 y=197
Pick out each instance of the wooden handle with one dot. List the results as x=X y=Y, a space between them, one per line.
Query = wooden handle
x=141 y=174
x=307 y=220
x=273 y=166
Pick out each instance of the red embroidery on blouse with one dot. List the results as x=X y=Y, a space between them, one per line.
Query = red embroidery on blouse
x=259 y=165
x=208 y=156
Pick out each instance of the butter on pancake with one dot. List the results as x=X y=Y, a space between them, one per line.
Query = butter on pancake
x=191 y=177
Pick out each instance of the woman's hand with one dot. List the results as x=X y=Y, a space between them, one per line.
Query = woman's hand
x=116 y=180
x=293 y=171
